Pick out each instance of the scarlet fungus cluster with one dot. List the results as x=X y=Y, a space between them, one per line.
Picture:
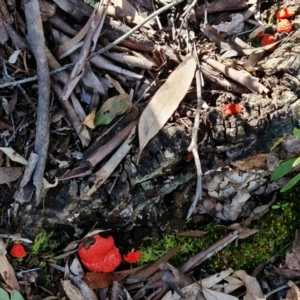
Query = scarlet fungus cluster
x=231 y=109
x=285 y=13
x=99 y=254
x=283 y=16
x=18 y=251
x=267 y=40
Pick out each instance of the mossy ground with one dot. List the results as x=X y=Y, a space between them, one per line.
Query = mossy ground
x=276 y=235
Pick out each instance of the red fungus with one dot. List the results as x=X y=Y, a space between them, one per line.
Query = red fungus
x=285 y=13
x=101 y=255
x=190 y=155
x=18 y=251
x=133 y=257
x=284 y=26
x=267 y=40
x=232 y=109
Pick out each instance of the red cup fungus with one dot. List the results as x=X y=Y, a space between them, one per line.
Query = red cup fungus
x=99 y=254
x=133 y=257
x=18 y=251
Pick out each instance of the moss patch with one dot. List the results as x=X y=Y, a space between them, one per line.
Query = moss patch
x=276 y=236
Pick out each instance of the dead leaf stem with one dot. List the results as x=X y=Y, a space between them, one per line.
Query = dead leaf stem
x=36 y=41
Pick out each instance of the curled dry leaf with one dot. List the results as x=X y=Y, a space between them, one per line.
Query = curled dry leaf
x=165 y=101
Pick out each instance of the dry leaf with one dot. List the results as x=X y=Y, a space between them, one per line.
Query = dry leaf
x=71 y=290
x=254 y=291
x=89 y=120
x=6 y=270
x=165 y=101
x=14 y=156
x=10 y=174
x=212 y=295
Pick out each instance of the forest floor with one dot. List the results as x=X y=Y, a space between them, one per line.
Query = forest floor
x=146 y=149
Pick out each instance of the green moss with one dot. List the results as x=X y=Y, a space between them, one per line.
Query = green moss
x=43 y=242
x=276 y=235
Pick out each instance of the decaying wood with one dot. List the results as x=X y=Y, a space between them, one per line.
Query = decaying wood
x=215 y=6
x=36 y=41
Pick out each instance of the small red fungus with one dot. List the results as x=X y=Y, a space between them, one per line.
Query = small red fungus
x=190 y=155
x=18 y=251
x=285 y=13
x=260 y=34
x=284 y=26
x=267 y=40
x=100 y=254
x=232 y=109
x=133 y=257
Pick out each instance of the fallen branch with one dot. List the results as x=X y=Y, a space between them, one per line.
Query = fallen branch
x=36 y=41
x=242 y=77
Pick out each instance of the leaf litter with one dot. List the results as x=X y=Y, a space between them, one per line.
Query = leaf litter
x=86 y=84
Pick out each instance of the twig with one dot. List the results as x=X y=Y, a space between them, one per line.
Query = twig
x=115 y=43
x=36 y=41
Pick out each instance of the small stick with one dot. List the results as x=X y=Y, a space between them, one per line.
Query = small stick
x=193 y=147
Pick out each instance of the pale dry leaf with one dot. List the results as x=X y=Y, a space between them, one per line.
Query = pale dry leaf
x=71 y=290
x=10 y=174
x=116 y=84
x=14 y=156
x=213 y=295
x=165 y=101
x=293 y=293
x=254 y=291
x=192 y=291
x=89 y=120
x=6 y=270
x=229 y=285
